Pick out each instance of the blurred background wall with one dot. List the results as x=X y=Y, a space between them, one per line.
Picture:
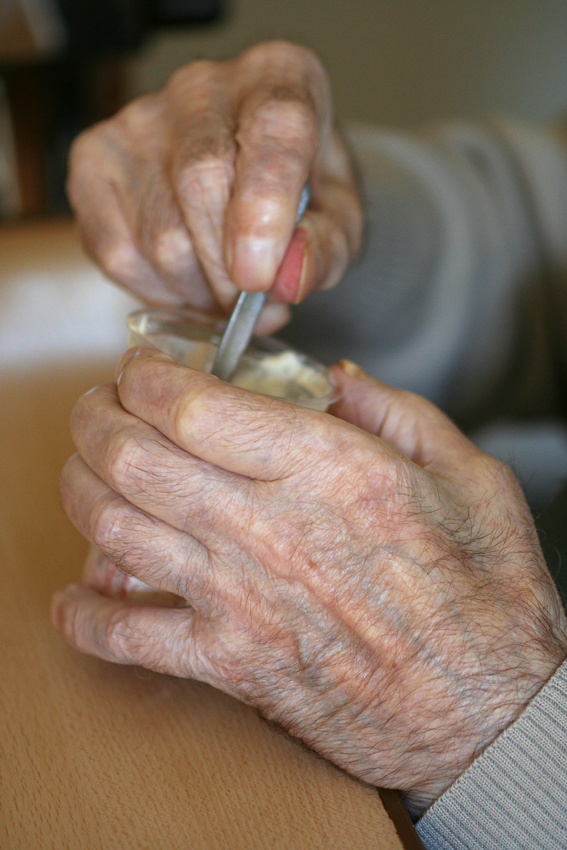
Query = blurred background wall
x=400 y=62
x=67 y=63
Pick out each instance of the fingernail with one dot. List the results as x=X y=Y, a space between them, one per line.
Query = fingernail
x=124 y=360
x=289 y=283
x=351 y=369
x=254 y=262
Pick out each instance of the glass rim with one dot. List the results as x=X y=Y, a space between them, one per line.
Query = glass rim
x=179 y=317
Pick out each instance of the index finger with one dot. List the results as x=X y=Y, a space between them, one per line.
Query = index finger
x=235 y=429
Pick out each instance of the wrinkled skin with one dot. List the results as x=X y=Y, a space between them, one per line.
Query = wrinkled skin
x=369 y=580
x=190 y=195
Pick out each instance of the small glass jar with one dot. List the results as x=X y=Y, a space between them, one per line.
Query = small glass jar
x=268 y=366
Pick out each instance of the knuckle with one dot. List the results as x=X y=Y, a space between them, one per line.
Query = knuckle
x=120 y=260
x=201 y=411
x=281 y=52
x=502 y=477
x=121 y=637
x=128 y=461
x=92 y=150
x=269 y=51
x=196 y=411
x=207 y=166
x=172 y=250
x=137 y=115
x=383 y=481
x=288 y=116
x=197 y=74
x=107 y=523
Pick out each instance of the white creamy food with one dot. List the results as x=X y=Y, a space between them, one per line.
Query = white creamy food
x=284 y=375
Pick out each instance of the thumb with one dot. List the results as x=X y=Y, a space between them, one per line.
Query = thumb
x=410 y=423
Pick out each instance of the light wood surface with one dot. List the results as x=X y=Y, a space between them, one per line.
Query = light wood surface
x=94 y=755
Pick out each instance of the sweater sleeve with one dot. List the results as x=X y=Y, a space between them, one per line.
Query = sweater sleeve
x=514 y=796
x=451 y=298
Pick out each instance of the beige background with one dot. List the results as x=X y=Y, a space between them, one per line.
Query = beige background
x=400 y=62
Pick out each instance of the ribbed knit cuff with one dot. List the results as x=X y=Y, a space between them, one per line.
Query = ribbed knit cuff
x=514 y=796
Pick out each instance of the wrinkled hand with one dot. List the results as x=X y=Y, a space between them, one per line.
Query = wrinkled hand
x=191 y=194
x=372 y=582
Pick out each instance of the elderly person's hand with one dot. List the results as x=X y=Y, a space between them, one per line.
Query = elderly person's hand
x=191 y=194
x=371 y=580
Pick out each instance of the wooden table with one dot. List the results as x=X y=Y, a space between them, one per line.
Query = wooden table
x=95 y=755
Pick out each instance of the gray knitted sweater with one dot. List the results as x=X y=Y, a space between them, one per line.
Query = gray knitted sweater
x=461 y=295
